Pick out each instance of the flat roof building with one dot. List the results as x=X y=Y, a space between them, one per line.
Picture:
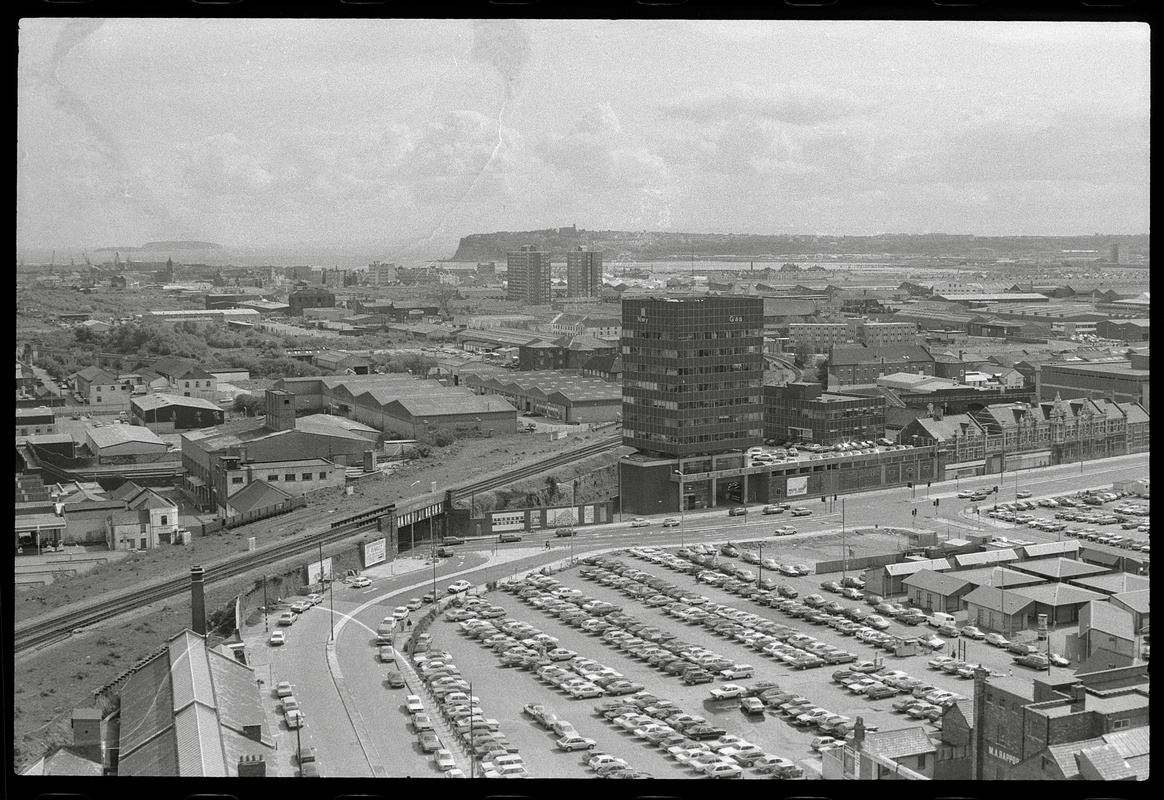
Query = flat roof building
x=527 y=277
x=693 y=373
x=804 y=412
x=583 y=273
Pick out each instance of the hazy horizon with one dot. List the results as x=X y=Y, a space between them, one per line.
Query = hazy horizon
x=401 y=136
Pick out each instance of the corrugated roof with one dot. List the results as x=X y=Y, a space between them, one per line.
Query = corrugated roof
x=112 y=435
x=234 y=689
x=191 y=673
x=985 y=557
x=1105 y=762
x=943 y=583
x=157 y=400
x=1137 y=601
x=1061 y=568
x=199 y=744
x=910 y=567
x=439 y=405
x=1058 y=594
x=146 y=703
x=1113 y=582
x=900 y=743
x=1050 y=548
x=256 y=495
x=994 y=599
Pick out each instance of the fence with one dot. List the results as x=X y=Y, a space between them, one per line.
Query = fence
x=859 y=563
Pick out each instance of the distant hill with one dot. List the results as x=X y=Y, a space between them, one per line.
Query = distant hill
x=161 y=246
x=665 y=246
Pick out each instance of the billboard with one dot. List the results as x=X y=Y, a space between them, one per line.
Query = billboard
x=588 y=515
x=507 y=521
x=562 y=516
x=375 y=552
x=797 y=486
x=318 y=571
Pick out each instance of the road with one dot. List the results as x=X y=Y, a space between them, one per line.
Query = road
x=389 y=746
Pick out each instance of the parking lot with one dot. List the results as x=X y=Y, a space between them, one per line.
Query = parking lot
x=1105 y=518
x=505 y=689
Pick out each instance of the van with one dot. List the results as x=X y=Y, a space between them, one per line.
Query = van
x=937 y=619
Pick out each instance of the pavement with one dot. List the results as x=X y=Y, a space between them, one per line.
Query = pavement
x=370 y=735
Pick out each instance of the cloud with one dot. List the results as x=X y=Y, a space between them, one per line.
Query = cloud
x=597 y=153
x=799 y=105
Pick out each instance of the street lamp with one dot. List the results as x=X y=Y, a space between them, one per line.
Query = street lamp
x=760 y=579
x=682 y=506
x=844 y=550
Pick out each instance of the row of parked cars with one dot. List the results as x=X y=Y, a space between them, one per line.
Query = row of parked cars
x=764 y=635
x=287 y=618
x=476 y=733
x=567 y=738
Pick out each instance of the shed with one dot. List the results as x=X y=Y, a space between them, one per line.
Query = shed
x=1002 y=610
x=123 y=440
x=936 y=591
x=1059 y=601
x=886 y=580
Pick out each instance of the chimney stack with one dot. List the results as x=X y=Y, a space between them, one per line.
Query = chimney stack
x=197 y=601
x=1078 y=698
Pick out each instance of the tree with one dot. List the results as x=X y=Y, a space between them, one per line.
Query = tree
x=249 y=403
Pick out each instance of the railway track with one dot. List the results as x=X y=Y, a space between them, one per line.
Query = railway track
x=59 y=625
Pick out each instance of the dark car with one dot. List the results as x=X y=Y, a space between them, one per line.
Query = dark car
x=509 y=537
x=696 y=676
x=855 y=583
x=446 y=552
x=564 y=532
x=1020 y=649
x=1032 y=660
x=831 y=586
x=787 y=591
x=452 y=540
x=737 y=512
x=701 y=732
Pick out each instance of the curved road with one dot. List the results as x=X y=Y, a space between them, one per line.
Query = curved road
x=379 y=712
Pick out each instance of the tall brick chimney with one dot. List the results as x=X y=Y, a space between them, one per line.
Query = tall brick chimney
x=197 y=600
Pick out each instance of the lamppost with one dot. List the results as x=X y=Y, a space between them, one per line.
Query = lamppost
x=844 y=550
x=266 y=623
x=760 y=579
x=682 y=507
x=331 y=636
x=620 y=490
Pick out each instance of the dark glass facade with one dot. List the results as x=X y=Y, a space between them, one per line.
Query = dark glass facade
x=693 y=373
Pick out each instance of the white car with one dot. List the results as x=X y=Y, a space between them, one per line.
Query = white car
x=360 y=582
x=413 y=604
x=723 y=770
x=314 y=599
x=639 y=522
x=414 y=704
x=459 y=586
x=400 y=612
x=277 y=638
x=444 y=760
x=283 y=689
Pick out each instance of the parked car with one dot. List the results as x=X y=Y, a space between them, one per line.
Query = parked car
x=972 y=632
x=997 y=640
x=670 y=522
x=277 y=638
x=639 y=522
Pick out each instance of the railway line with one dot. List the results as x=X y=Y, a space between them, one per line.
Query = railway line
x=59 y=625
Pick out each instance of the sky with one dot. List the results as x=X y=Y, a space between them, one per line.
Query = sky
x=413 y=133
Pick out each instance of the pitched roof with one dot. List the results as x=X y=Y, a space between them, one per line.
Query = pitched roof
x=148 y=498
x=985 y=557
x=1059 y=568
x=1058 y=594
x=110 y=435
x=1009 y=601
x=97 y=375
x=1113 y=582
x=149 y=402
x=256 y=495
x=1132 y=745
x=910 y=567
x=949 y=426
x=1051 y=548
x=901 y=742
x=1137 y=601
x=938 y=582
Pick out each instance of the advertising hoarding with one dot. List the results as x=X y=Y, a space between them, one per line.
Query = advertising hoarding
x=797 y=486
x=507 y=521
x=318 y=571
x=375 y=552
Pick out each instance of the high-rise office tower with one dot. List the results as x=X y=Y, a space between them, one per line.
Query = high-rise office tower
x=693 y=374
x=528 y=276
x=583 y=273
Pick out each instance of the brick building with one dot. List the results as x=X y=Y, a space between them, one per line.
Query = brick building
x=804 y=412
